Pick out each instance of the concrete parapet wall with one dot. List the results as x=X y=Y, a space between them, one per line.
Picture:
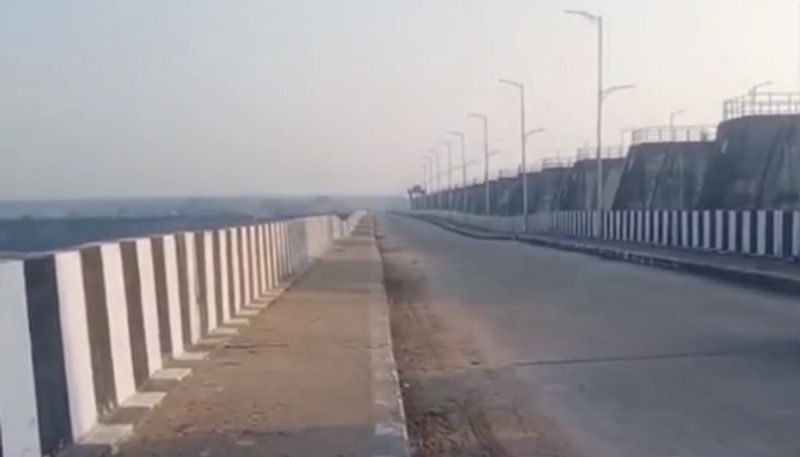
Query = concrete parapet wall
x=759 y=233
x=83 y=330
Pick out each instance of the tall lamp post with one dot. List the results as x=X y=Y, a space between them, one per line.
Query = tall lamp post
x=449 y=174
x=463 y=144
x=753 y=92
x=672 y=117
x=488 y=197
x=437 y=174
x=602 y=94
x=429 y=184
x=521 y=88
x=681 y=166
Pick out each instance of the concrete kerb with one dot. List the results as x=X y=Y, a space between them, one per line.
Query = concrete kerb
x=390 y=434
x=763 y=280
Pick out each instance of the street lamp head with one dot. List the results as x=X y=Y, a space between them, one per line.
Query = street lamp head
x=534 y=132
x=477 y=115
x=591 y=17
x=619 y=88
x=755 y=88
x=458 y=134
x=516 y=84
x=675 y=114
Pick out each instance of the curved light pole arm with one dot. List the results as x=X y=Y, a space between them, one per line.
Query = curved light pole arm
x=614 y=89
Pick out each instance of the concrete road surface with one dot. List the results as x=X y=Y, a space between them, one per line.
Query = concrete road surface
x=569 y=354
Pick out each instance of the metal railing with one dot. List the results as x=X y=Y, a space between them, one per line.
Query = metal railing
x=674 y=134
x=761 y=104
x=557 y=162
x=608 y=152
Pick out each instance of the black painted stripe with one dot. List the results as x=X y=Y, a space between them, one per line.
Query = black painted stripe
x=712 y=230
x=271 y=254
x=739 y=228
x=133 y=297
x=162 y=295
x=727 y=240
x=264 y=258
x=1 y=439
x=218 y=277
x=183 y=289
x=788 y=234
x=231 y=280
x=752 y=216
x=200 y=274
x=105 y=391
x=49 y=372
x=240 y=250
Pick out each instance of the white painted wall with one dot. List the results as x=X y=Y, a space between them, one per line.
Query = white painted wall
x=75 y=334
x=173 y=296
x=144 y=254
x=20 y=424
x=118 y=326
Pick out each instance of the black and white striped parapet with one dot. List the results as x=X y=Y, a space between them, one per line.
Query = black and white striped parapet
x=769 y=233
x=82 y=330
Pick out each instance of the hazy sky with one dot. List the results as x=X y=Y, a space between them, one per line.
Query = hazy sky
x=201 y=97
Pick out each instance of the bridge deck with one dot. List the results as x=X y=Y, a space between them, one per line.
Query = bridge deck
x=512 y=349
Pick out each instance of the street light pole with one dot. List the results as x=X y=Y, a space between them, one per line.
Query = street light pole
x=754 y=92
x=672 y=117
x=449 y=174
x=463 y=143
x=488 y=197
x=602 y=94
x=681 y=166
x=521 y=88
x=437 y=174
x=598 y=21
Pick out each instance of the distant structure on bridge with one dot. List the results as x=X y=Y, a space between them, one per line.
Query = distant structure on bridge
x=751 y=160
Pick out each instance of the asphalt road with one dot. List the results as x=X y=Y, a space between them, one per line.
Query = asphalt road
x=624 y=360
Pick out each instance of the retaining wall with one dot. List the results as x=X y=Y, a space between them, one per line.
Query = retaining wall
x=83 y=330
x=755 y=165
x=580 y=190
x=657 y=175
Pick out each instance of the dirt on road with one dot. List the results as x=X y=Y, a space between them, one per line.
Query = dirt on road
x=459 y=400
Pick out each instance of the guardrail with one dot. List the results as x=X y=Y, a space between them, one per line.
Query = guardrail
x=674 y=134
x=765 y=233
x=761 y=104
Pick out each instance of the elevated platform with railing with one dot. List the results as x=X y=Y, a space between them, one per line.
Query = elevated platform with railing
x=674 y=134
x=607 y=152
x=761 y=104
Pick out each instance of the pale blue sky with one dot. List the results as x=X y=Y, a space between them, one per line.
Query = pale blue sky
x=202 y=97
